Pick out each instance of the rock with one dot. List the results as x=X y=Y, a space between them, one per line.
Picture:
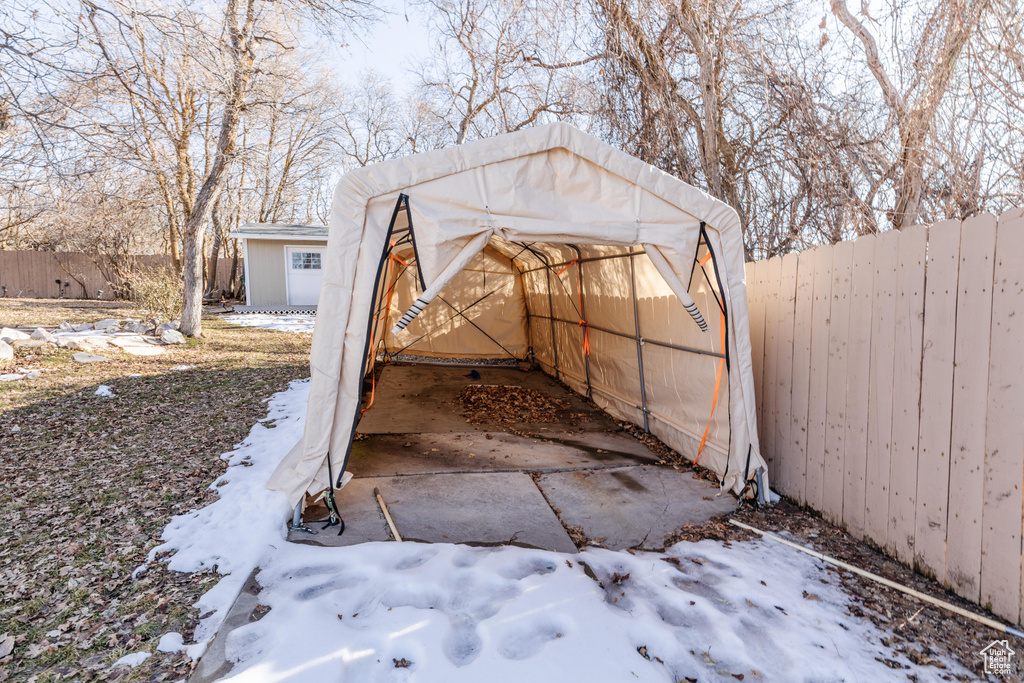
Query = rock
x=108 y=325
x=137 y=327
x=6 y=352
x=28 y=343
x=8 y=334
x=65 y=327
x=81 y=327
x=147 y=350
x=10 y=377
x=124 y=340
x=172 y=337
x=89 y=358
x=173 y=325
x=40 y=333
x=33 y=375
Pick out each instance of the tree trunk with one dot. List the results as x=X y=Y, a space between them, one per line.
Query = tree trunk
x=211 y=279
x=232 y=287
x=243 y=57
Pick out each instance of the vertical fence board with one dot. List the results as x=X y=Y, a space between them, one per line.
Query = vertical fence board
x=936 y=397
x=784 y=373
x=818 y=386
x=835 y=407
x=1004 y=436
x=906 y=393
x=801 y=375
x=855 y=441
x=755 y=288
x=883 y=326
x=970 y=388
x=771 y=316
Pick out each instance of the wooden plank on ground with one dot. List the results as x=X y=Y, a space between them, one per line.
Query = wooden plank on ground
x=835 y=405
x=858 y=363
x=817 y=389
x=771 y=316
x=801 y=376
x=906 y=392
x=936 y=398
x=1004 y=435
x=784 y=475
x=755 y=305
x=970 y=391
x=883 y=337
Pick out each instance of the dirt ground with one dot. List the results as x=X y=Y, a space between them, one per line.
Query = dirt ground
x=87 y=483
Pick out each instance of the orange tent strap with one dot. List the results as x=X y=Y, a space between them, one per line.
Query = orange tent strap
x=567 y=266
x=373 y=390
x=586 y=337
x=714 y=401
x=707 y=257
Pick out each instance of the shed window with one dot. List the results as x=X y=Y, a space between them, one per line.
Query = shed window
x=305 y=260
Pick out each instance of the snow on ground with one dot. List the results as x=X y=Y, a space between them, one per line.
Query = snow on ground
x=409 y=611
x=282 y=323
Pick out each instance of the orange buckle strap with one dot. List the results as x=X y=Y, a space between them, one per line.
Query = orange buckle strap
x=714 y=400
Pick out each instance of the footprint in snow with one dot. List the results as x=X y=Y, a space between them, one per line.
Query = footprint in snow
x=526 y=640
x=528 y=567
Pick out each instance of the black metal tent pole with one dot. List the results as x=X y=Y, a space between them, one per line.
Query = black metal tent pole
x=551 y=316
x=639 y=345
x=583 y=319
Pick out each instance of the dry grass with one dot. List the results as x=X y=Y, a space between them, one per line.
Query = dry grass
x=52 y=312
x=88 y=483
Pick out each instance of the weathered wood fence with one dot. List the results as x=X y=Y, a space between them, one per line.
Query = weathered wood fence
x=889 y=374
x=33 y=274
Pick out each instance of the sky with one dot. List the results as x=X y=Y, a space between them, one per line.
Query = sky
x=393 y=46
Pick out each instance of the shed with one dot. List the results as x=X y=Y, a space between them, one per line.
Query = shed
x=547 y=244
x=283 y=264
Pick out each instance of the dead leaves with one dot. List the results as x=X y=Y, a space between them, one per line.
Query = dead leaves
x=511 y=405
x=79 y=521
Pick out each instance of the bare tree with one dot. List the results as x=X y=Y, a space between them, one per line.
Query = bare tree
x=915 y=101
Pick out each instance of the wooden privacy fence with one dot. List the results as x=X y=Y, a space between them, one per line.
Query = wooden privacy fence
x=889 y=373
x=33 y=274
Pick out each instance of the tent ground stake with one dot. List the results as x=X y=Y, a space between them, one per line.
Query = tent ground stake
x=991 y=623
x=297 y=524
x=762 y=499
x=387 y=515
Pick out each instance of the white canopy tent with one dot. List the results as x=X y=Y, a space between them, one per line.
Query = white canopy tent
x=622 y=281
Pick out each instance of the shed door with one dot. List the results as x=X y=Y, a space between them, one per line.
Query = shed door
x=304 y=266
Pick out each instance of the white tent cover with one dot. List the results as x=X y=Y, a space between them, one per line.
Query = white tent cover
x=466 y=215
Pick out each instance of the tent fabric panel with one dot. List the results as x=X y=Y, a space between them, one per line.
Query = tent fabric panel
x=608 y=291
x=489 y=292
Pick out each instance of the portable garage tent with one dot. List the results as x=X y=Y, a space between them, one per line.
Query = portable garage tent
x=576 y=237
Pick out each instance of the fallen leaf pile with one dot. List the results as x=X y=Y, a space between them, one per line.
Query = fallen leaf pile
x=89 y=482
x=511 y=405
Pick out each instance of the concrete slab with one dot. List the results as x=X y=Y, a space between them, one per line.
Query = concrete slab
x=501 y=508
x=364 y=521
x=632 y=506
x=415 y=399
x=214 y=663
x=386 y=455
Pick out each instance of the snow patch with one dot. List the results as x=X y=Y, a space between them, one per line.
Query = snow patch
x=105 y=391
x=132 y=660
x=702 y=611
x=281 y=323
